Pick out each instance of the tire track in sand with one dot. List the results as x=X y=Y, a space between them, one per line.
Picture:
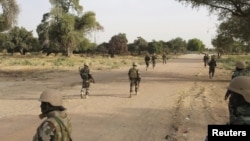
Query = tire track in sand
x=191 y=113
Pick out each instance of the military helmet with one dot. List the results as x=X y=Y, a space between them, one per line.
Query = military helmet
x=51 y=96
x=240 y=85
x=86 y=64
x=134 y=64
x=240 y=65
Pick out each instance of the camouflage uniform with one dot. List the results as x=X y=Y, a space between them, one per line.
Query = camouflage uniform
x=147 y=59
x=239 y=101
x=239 y=71
x=153 y=58
x=205 y=59
x=86 y=79
x=52 y=130
x=57 y=125
x=212 y=64
x=164 y=58
x=134 y=80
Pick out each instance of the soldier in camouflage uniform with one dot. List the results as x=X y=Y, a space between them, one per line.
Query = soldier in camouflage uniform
x=134 y=78
x=164 y=58
x=205 y=59
x=57 y=125
x=239 y=100
x=87 y=78
x=153 y=58
x=240 y=70
x=212 y=64
x=147 y=59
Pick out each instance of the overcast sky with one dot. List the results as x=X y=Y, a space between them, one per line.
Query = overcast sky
x=149 y=19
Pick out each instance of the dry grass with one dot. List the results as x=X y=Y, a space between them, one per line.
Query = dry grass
x=41 y=62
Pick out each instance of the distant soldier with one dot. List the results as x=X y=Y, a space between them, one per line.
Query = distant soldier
x=87 y=78
x=212 y=64
x=57 y=125
x=205 y=59
x=164 y=58
x=147 y=60
x=153 y=58
x=134 y=78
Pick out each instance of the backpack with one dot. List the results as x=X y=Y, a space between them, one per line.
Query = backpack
x=84 y=72
x=133 y=73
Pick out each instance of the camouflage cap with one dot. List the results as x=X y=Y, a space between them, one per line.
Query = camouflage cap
x=51 y=96
x=240 y=85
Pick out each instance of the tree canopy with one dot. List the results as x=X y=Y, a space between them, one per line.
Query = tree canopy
x=8 y=17
x=66 y=26
x=234 y=16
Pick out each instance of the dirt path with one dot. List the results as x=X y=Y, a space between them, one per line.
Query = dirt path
x=176 y=102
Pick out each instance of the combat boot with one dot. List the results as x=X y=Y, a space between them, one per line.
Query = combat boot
x=130 y=94
x=82 y=93
x=87 y=95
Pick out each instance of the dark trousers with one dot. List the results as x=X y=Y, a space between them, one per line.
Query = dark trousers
x=211 y=72
x=134 y=84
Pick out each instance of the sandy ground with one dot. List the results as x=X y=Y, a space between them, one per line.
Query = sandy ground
x=177 y=101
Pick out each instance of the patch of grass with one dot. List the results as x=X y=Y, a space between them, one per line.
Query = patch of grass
x=228 y=62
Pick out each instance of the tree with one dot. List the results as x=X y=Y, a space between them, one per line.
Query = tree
x=66 y=26
x=177 y=45
x=118 y=44
x=195 y=45
x=224 y=8
x=20 y=40
x=234 y=14
x=155 y=47
x=140 y=45
x=10 y=11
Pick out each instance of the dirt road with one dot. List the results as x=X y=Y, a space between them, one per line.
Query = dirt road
x=177 y=101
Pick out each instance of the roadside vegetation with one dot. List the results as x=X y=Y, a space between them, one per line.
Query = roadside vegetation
x=228 y=61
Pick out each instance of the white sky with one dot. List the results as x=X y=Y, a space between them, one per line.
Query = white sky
x=149 y=19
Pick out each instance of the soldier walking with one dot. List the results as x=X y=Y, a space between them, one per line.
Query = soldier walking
x=153 y=58
x=134 y=78
x=164 y=58
x=87 y=78
x=147 y=59
x=205 y=59
x=212 y=64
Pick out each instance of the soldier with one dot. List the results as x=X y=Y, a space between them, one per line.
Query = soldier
x=240 y=70
x=57 y=125
x=153 y=58
x=147 y=59
x=135 y=78
x=164 y=58
x=239 y=101
x=212 y=64
x=205 y=59
x=87 y=78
